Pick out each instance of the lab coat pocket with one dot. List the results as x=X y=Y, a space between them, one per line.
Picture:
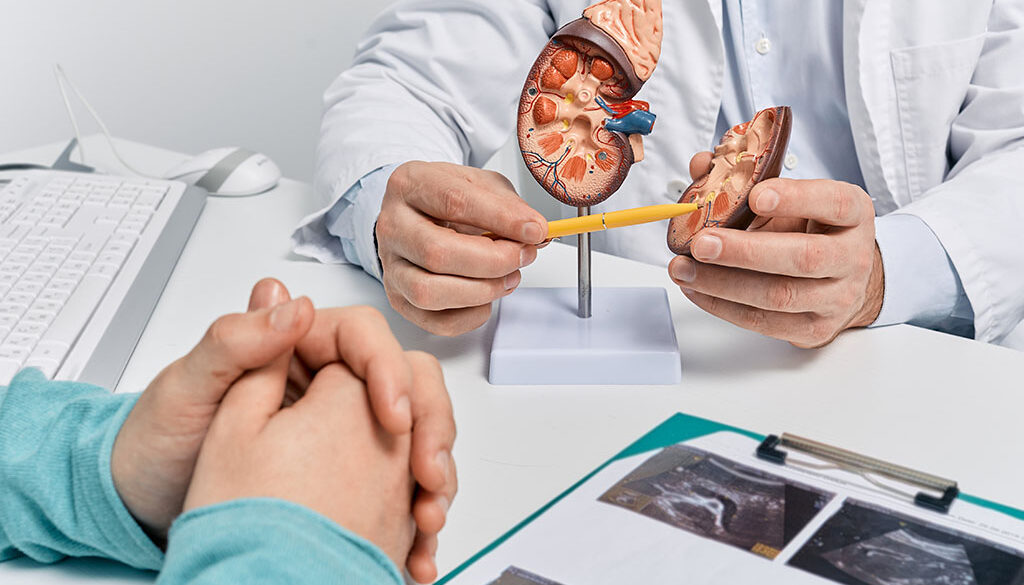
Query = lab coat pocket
x=931 y=84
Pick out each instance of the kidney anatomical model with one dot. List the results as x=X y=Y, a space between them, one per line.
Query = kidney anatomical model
x=748 y=153
x=579 y=128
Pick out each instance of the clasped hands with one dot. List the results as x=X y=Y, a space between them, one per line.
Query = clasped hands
x=318 y=407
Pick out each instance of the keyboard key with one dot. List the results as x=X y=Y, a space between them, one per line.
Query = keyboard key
x=29 y=288
x=35 y=243
x=92 y=242
x=30 y=329
x=57 y=296
x=66 y=241
x=110 y=216
x=62 y=285
x=104 y=269
x=8 y=368
x=110 y=258
x=20 y=258
x=15 y=351
x=118 y=247
x=131 y=227
x=19 y=298
x=50 y=350
x=45 y=305
x=72 y=265
x=47 y=367
x=77 y=311
x=7 y=320
x=37 y=317
x=47 y=268
x=32 y=277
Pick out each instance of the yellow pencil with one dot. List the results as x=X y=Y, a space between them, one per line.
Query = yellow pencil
x=613 y=219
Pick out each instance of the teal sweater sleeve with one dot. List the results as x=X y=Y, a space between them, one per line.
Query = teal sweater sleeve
x=268 y=541
x=57 y=496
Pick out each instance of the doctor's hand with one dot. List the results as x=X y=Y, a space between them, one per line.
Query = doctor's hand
x=807 y=269
x=326 y=452
x=439 y=272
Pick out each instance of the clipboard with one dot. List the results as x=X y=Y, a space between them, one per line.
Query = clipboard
x=936 y=498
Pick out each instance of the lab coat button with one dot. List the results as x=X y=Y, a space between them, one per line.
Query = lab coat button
x=791 y=161
x=763 y=46
x=676 y=188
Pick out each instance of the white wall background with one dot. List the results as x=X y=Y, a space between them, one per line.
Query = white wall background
x=188 y=75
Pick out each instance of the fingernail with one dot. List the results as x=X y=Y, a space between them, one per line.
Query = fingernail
x=686 y=291
x=404 y=408
x=512 y=280
x=533 y=232
x=527 y=255
x=707 y=247
x=767 y=201
x=283 y=317
x=443 y=460
x=444 y=504
x=684 y=269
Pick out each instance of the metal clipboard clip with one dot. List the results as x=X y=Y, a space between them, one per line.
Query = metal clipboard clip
x=769 y=450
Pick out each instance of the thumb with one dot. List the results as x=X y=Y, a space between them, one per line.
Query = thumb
x=257 y=395
x=700 y=165
x=268 y=292
x=237 y=343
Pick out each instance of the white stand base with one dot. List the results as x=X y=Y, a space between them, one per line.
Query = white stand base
x=629 y=340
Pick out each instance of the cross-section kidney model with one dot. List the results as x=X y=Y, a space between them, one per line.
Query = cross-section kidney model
x=579 y=128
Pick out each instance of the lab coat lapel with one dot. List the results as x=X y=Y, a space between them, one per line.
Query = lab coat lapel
x=871 y=100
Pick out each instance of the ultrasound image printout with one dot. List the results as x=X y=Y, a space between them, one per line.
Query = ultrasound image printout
x=866 y=545
x=718 y=498
x=517 y=576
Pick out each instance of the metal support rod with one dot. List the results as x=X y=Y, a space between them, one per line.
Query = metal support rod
x=583 y=268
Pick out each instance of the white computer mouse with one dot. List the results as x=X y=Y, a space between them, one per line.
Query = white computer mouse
x=228 y=171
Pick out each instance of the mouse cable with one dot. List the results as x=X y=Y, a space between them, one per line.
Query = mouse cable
x=63 y=78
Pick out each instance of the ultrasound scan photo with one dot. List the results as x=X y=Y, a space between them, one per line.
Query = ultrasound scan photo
x=517 y=576
x=718 y=498
x=868 y=545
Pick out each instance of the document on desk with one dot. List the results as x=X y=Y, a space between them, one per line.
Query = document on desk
x=691 y=503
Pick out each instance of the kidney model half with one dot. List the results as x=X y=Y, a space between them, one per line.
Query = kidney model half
x=747 y=154
x=579 y=128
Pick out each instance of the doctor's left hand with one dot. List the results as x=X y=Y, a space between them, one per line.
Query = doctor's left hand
x=807 y=269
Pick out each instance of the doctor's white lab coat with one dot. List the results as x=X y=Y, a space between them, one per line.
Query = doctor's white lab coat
x=935 y=93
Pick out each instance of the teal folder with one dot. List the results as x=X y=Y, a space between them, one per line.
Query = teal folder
x=678 y=428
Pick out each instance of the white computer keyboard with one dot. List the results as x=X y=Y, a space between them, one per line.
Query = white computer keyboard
x=64 y=238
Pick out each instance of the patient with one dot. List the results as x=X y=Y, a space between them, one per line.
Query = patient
x=290 y=445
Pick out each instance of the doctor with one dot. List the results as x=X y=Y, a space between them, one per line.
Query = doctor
x=901 y=200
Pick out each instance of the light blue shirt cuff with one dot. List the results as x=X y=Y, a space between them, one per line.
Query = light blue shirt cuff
x=353 y=217
x=922 y=286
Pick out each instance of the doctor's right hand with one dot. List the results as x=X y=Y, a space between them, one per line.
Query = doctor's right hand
x=438 y=271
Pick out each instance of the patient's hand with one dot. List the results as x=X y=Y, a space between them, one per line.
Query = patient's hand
x=326 y=452
x=156 y=450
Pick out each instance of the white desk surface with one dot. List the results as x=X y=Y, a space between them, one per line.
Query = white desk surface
x=943 y=404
